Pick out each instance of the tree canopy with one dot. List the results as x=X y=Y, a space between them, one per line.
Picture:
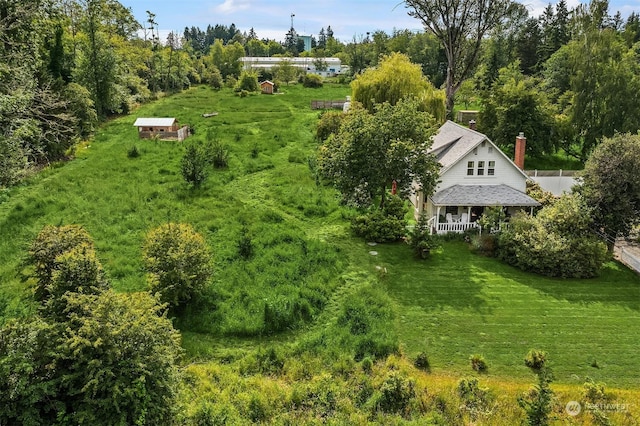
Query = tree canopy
x=611 y=184
x=372 y=150
x=394 y=79
x=461 y=26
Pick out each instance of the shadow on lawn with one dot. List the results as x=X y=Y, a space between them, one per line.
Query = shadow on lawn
x=450 y=278
x=616 y=285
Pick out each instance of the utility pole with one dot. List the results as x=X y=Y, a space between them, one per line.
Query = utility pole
x=292 y=15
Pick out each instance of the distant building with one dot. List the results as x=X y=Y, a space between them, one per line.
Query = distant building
x=331 y=66
x=307 y=42
x=267 y=87
x=163 y=127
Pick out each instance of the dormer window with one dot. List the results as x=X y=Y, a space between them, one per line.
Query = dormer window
x=490 y=149
x=483 y=144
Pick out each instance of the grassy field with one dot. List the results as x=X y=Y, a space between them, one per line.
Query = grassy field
x=307 y=268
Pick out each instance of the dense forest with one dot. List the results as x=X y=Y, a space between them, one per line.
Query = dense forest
x=566 y=78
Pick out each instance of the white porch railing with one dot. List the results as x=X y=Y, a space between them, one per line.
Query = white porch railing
x=444 y=228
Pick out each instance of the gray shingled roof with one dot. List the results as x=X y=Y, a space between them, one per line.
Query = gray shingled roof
x=482 y=195
x=154 y=122
x=452 y=142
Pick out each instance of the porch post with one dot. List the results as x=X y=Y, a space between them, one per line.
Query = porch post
x=469 y=214
x=437 y=219
x=531 y=212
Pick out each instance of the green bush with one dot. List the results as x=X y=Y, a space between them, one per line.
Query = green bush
x=218 y=154
x=478 y=363
x=538 y=401
x=312 y=80
x=484 y=244
x=395 y=394
x=328 y=124
x=194 y=166
x=422 y=362
x=247 y=82
x=383 y=225
x=535 y=359
x=133 y=152
x=557 y=242
x=475 y=400
x=421 y=240
x=44 y=252
x=177 y=260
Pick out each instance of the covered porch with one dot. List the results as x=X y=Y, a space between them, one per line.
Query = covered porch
x=458 y=208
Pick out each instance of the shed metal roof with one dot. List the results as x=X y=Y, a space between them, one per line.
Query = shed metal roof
x=155 y=122
x=482 y=195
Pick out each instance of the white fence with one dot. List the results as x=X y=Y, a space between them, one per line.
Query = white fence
x=444 y=228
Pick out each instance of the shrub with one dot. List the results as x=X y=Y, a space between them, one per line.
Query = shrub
x=478 y=363
x=594 y=393
x=485 y=244
x=245 y=244
x=385 y=225
x=535 y=359
x=177 y=261
x=78 y=271
x=51 y=242
x=366 y=364
x=247 y=82
x=218 y=154
x=328 y=124
x=193 y=166
x=475 y=400
x=312 y=80
x=538 y=401
x=420 y=238
x=396 y=393
x=422 y=362
x=214 y=78
x=557 y=242
x=133 y=152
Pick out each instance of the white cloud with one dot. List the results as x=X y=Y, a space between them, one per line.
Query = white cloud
x=232 y=6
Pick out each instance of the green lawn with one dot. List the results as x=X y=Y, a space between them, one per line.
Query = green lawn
x=450 y=306
x=459 y=303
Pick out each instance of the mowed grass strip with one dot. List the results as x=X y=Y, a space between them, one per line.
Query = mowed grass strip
x=459 y=303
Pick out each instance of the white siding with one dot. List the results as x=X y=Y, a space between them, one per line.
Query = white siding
x=505 y=171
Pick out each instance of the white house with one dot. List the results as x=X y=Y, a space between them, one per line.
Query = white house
x=475 y=174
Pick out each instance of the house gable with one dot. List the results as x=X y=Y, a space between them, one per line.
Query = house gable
x=470 y=158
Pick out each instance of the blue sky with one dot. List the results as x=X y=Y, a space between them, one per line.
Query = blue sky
x=272 y=19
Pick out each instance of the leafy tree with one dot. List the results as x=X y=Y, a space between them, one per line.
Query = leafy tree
x=137 y=377
x=248 y=81
x=370 y=151
x=394 y=79
x=194 y=166
x=461 y=26
x=611 y=184
x=605 y=78
x=79 y=271
x=45 y=251
x=515 y=105
x=177 y=261
x=285 y=71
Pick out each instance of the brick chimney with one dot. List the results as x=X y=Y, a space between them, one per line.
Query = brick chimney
x=521 y=145
x=472 y=124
